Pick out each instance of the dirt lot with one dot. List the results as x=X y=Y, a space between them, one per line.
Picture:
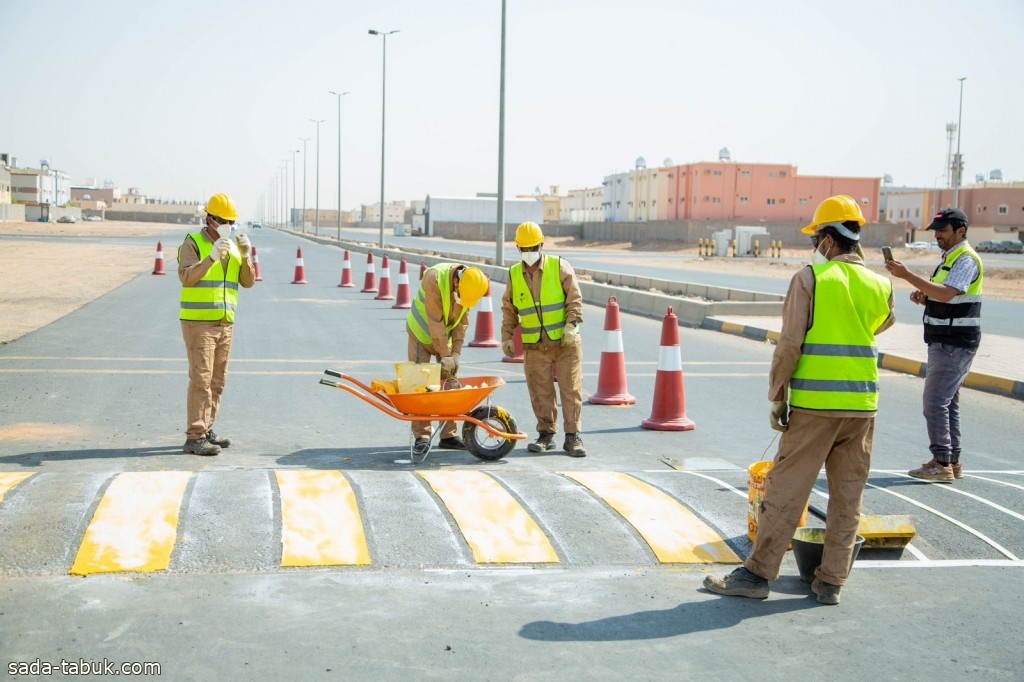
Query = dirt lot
x=44 y=275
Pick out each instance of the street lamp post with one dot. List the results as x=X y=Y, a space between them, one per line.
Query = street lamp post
x=339 y=95
x=316 y=229
x=383 y=119
x=959 y=162
x=499 y=249
x=304 y=157
x=284 y=192
x=295 y=172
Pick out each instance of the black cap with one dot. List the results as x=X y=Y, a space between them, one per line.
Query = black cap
x=946 y=216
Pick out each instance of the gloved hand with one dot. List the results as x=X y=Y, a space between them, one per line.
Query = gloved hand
x=570 y=336
x=779 y=415
x=244 y=245
x=222 y=247
x=508 y=348
x=450 y=364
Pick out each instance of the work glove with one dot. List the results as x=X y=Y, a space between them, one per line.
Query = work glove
x=244 y=245
x=450 y=364
x=221 y=247
x=508 y=348
x=570 y=336
x=779 y=415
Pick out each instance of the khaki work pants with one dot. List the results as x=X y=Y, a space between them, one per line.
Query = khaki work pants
x=421 y=353
x=843 y=446
x=208 y=345
x=567 y=363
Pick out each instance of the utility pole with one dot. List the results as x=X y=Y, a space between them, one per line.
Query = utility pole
x=958 y=161
x=302 y=220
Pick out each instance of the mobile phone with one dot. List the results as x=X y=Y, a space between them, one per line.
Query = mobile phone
x=887 y=252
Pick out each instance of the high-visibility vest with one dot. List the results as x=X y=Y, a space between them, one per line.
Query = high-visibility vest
x=417 y=317
x=550 y=314
x=838 y=365
x=957 y=321
x=215 y=296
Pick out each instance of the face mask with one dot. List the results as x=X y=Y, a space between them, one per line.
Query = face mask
x=817 y=258
x=531 y=257
x=458 y=299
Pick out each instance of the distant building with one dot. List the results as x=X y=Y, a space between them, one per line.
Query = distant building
x=582 y=206
x=40 y=186
x=481 y=210
x=394 y=213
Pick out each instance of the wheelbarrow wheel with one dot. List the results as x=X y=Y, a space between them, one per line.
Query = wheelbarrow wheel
x=483 y=445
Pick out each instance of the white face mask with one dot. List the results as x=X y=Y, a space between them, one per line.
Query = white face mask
x=817 y=258
x=531 y=257
x=458 y=299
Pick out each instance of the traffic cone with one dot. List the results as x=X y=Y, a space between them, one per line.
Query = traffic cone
x=484 y=335
x=346 y=271
x=404 y=301
x=158 y=265
x=300 y=269
x=256 y=264
x=385 y=281
x=370 y=281
x=517 y=338
x=611 y=377
x=423 y=270
x=669 y=410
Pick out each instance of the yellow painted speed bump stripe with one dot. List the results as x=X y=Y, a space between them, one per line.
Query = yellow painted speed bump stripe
x=135 y=525
x=320 y=522
x=10 y=479
x=495 y=525
x=674 y=533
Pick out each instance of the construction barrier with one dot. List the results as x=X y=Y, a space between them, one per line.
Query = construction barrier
x=256 y=264
x=668 y=412
x=484 y=332
x=517 y=338
x=346 y=271
x=404 y=301
x=385 y=281
x=370 y=281
x=158 y=265
x=300 y=269
x=611 y=377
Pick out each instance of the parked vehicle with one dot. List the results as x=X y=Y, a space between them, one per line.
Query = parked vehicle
x=923 y=246
x=67 y=219
x=93 y=218
x=257 y=226
x=986 y=247
x=1012 y=246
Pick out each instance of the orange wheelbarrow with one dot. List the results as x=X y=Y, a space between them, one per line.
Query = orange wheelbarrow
x=489 y=431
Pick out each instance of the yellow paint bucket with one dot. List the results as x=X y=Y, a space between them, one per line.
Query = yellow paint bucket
x=757 y=480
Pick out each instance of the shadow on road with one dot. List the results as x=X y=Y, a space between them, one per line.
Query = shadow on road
x=32 y=459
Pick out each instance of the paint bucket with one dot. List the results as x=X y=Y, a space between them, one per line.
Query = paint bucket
x=808 y=548
x=757 y=479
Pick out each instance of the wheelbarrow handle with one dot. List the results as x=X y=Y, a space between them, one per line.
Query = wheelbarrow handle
x=331 y=372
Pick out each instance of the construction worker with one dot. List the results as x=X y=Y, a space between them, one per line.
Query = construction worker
x=543 y=297
x=825 y=368
x=210 y=267
x=952 y=330
x=437 y=325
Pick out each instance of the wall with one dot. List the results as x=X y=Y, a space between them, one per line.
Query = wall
x=12 y=213
x=476 y=232
x=689 y=231
x=483 y=210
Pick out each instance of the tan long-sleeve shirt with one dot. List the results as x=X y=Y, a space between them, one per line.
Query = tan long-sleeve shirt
x=533 y=277
x=191 y=268
x=436 y=323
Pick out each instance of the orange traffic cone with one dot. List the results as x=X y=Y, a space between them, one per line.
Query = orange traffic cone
x=669 y=410
x=256 y=264
x=517 y=338
x=158 y=266
x=484 y=335
x=346 y=271
x=385 y=281
x=370 y=281
x=423 y=270
x=611 y=377
x=404 y=301
x=300 y=269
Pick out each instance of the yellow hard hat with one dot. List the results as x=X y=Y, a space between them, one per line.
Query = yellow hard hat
x=222 y=206
x=528 y=234
x=837 y=209
x=472 y=286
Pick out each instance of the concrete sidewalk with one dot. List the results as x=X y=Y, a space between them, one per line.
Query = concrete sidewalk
x=998 y=367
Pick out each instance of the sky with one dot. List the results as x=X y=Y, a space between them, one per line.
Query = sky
x=186 y=98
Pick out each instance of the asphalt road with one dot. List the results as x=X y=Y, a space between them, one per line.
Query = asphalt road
x=98 y=396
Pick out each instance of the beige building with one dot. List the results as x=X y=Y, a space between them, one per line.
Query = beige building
x=582 y=206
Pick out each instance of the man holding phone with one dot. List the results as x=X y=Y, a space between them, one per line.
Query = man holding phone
x=952 y=330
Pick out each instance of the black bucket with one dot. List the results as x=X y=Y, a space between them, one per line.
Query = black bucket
x=808 y=547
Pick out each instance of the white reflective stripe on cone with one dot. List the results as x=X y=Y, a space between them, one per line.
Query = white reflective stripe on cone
x=345 y=265
x=670 y=359
x=370 y=268
x=613 y=342
x=485 y=305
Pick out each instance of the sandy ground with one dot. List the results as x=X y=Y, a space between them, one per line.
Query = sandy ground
x=44 y=275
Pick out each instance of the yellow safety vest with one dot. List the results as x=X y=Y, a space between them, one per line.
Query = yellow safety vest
x=550 y=314
x=417 y=317
x=838 y=366
x=215 y=296
x=957 y=321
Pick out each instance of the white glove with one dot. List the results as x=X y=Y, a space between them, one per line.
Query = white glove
x=244 y=245
x=508 y=348
x=222 y=247
x=779 y=415
x=450 y=364
x=570 y=336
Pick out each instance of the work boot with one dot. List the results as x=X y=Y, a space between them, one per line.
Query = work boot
x=201 y=446
x=933 y=471
x=421 y=446
x=573 y=445
x=544 y=442
x=212 y=437
x=827 y=592
x=452 y=443
x=739 y=583
x=958 y=470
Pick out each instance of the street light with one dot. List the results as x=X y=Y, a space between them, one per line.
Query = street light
x=959 y=162
x=383 y=101
x=316 y=230
x=499 y=249
x=295 y=172
x=304 y=157
x=340 y=95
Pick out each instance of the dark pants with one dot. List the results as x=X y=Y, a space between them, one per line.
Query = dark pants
x=947 y=368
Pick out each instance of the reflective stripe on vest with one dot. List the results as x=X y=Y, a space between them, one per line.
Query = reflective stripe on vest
x=838 y=365
x=552 y=301
x=957 y=321
x=417 y=317
x=215 y=296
